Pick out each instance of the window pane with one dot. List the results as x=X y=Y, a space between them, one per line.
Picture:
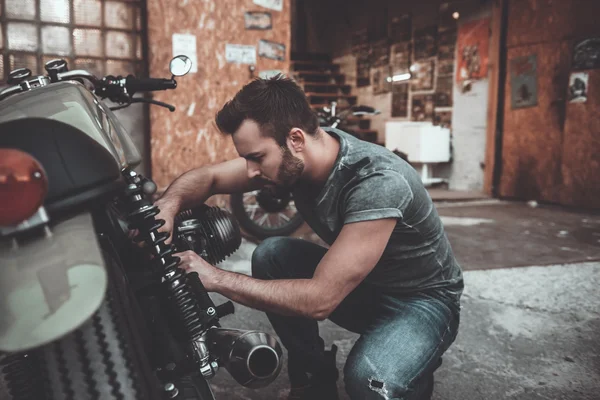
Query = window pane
x=23 y=9
x=138 y=19
x=2 y=76
x=1 y=39
x=96 y=67
x=118 y=15
x=88 y=42
x=88 y=12
x=22 y=36
x=56 y=40
x=119 y=45
x=23 y=61
x=55 y=11
x=116 y=67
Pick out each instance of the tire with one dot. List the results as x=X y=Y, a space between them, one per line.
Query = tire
x=102 y=360
x=254 y=228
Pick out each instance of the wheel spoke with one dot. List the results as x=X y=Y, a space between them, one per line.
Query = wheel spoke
x=263 y=219
x=284 y=217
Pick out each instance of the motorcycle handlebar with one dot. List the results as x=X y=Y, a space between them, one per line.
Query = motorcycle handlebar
x=134 y=84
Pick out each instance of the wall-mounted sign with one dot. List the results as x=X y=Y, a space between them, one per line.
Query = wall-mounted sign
x=270 y=73
x=185 y=44
x=523 y=81
x=586 y=54
x=276 y=5
x=257 y=20
x=578 y=87
x=472 y=50
x=240 y=54
x=272 y=50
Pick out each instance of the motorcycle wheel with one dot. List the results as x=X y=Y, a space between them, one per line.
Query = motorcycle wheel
x=103 y=359
x=263 y=215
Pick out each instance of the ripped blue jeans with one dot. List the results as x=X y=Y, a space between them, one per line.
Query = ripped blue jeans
x=402 y=338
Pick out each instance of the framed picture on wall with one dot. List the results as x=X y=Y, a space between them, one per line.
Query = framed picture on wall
x=257 y=20
x=425 y=43
x=443 y=91
x=272 y=50
x=400 y=28
x=399 y=100
x=381 y=83
x=400 y=58
x=422 y=107
x=363 y=68
x=423 y=75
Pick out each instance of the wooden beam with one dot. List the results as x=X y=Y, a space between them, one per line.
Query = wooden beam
x=496 y=88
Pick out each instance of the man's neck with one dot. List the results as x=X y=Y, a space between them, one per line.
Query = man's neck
x=323 y=157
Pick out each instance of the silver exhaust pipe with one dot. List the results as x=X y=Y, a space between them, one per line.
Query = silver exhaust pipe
x=252 y=358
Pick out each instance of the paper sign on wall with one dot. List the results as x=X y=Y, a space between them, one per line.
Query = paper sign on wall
x=578 y=87
x=185 y=44
x=240 y=54
x=272 y=4
x=267 y=74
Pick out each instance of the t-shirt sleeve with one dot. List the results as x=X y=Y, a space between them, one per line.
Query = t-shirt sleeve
x=379 y=195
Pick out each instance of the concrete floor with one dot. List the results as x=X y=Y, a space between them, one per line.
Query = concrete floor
x=526 y=333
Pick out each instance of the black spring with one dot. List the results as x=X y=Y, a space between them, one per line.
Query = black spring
x=142 y=216
x=22 y=376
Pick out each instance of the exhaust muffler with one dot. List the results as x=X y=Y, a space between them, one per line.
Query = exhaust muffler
x=253 y=358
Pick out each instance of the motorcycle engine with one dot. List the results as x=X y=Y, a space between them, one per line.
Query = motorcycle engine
x=211 y=232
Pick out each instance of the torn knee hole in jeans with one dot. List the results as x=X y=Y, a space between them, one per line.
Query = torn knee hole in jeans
x=378 y=387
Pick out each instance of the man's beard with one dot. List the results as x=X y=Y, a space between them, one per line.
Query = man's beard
x=290 y=169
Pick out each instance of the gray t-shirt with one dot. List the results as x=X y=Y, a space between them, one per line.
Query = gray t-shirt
x=369 y=182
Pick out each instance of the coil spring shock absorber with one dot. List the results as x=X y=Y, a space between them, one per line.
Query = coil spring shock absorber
x=22 y=376
x=142 y=216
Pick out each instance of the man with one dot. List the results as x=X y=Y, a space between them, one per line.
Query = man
x=389 y=274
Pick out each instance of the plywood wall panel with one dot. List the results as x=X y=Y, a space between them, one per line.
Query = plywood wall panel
x=581 y=149
x=187 y=138
x=532 y=138
x=538 y=21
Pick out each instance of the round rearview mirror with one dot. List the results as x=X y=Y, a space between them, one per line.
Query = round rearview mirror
x=180 y=65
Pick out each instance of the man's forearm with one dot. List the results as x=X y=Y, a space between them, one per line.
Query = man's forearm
x=191 y=188
x=298 y=297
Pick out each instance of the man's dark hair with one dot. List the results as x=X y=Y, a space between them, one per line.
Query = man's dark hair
x=277 y=105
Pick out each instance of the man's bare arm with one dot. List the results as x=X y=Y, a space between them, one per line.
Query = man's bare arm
x=350 y=259
x=197 y=185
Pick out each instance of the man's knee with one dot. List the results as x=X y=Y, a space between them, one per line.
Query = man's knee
x=363 y=379
x=264 y=258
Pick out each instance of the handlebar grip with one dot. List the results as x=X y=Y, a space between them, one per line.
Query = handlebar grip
x=134 y=84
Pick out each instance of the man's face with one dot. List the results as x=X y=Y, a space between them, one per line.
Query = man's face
x=265 y=158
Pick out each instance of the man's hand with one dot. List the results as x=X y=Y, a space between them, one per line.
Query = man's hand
x=168 y=211
x=192 y=262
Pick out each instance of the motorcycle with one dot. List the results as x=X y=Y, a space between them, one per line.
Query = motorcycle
x=271 y=211
x=86 y=311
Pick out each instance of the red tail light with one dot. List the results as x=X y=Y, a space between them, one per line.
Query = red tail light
x=23 y=186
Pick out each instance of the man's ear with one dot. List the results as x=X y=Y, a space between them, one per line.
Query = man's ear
x=296 y=139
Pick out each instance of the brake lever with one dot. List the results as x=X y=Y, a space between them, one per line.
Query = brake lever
x=151 y=101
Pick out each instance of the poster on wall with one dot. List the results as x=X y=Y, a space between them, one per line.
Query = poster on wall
x=185 y=44
x=472 y=50
x=399 y=100
x=272 y=50
x=422 y=107
x=578 y=87
x=363 y=69
x=400 y=58
x=422 y=75
x=586 y=54
x=446 y=45
x=270 y=73
x=400 y=28
x=381 y=83
x=256 y=20
x=380 y=53
x=446 y=67
x=443 y=91
x=443 y=118
x=523 y=81
x=425 y=43
x=240 y=54
x=276 y=5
